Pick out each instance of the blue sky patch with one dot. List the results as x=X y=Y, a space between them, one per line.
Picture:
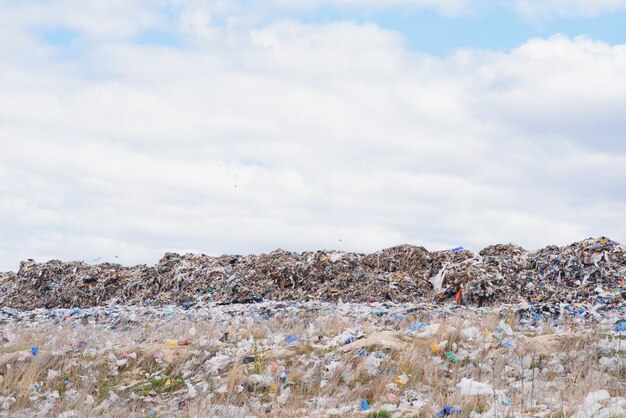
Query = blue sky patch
x=158 y=37
x=495 y=28
x=59 y=36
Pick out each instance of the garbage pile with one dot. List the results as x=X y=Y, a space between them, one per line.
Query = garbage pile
x=590 y=271
x=311 y=359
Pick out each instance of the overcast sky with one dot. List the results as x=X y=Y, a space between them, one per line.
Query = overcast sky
x=132 y=128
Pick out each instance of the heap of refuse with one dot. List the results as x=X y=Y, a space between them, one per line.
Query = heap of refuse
x=312 y=359
x=589 y=271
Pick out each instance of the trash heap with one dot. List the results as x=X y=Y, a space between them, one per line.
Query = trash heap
x=312 y=359
x=589 y=271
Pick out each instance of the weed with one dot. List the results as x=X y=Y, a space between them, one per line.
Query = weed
x=380 y=414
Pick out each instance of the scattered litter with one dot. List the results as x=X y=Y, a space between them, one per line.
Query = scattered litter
x=540 y=331
x=365 y=406
x=469 y=387
x=447 y=411
x=240 y=355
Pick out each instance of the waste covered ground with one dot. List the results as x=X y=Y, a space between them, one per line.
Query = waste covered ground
x=588 y=271
x=399 y=333
x=314 y=359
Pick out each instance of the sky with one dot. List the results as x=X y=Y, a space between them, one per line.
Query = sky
x=131 y=128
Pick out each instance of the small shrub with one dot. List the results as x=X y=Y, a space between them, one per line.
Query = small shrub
x=380 y=414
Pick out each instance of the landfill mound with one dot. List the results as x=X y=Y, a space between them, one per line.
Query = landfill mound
x=591 y=271
x=314 y=360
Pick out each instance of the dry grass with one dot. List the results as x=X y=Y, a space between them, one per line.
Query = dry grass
x=129 y=371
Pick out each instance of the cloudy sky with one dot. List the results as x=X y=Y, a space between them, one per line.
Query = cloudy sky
x=130 y=128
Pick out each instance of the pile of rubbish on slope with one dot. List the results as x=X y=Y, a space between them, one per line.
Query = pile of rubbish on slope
x=589 y=271
x=313 y=359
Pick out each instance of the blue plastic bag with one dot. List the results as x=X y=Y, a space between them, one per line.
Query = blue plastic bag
x=448 y=410
x=417 y=326
x=290 y=339
x=364 y=405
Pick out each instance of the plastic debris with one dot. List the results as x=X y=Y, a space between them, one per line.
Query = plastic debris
x=447 y=411
x=365 y=406
x=469 y=387
x=417 y=326
x=283 y=377
x=593 y=404
x=589 y=271
x=437 y=279
x=402 y=380
x=191 y=391
x=115 y=342
x=451 y=356
x=545 y=325
x=290 y=339
x=52 y=374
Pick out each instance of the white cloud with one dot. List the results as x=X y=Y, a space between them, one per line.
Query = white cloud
x=114 y=19
x=568 y=8
x=528 y=8
x=447 y=7
x=301 y=135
